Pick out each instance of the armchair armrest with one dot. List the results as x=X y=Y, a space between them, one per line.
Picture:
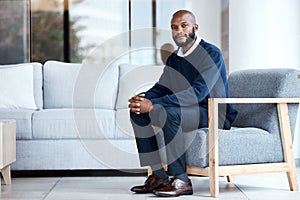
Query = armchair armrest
x=255 y=100
x=213 y=116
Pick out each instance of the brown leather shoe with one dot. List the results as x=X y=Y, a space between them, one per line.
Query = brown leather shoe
x=175 y=188
x=152 y=182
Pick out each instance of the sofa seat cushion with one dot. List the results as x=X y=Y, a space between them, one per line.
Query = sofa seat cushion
x=236 y=146
x=23 y=121
x=74 y=123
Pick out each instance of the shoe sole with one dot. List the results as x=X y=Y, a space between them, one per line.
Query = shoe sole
x=149 y=192
x=190 y=192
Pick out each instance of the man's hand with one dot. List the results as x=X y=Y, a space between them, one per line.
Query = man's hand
x=139 y=104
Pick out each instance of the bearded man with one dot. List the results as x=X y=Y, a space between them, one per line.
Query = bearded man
x=178 y=103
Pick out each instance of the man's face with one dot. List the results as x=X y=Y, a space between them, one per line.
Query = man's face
x=183 y=29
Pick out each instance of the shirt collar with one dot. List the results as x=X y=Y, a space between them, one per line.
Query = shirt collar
x=193 y=47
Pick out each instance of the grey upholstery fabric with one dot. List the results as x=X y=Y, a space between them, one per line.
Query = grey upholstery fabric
x=236 y=146
x=257 y=140
x=264 y=83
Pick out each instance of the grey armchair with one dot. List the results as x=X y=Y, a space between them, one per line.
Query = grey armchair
x=261 y=139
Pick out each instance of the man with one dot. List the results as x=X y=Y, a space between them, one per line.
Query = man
x=178 y=102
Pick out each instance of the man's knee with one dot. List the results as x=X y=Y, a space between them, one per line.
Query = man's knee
x=139 y=119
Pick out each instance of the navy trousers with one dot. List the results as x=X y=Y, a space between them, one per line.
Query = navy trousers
x=173 y=121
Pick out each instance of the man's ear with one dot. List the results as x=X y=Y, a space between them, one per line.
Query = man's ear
x=196 y=27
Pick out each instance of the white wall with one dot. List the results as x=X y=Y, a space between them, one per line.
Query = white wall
x=208 y=15
x=265 y=34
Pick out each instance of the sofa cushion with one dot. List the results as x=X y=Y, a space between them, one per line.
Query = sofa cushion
x=37 y=80
x=68 y=85
x=23 y=121
x=59 y=80
x=236 y=146
x=73 y=123
x=134 y=79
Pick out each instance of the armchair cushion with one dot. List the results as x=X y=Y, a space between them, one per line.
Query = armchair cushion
x=236 y=146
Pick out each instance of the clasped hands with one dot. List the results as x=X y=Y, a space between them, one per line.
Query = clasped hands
x=139 y=104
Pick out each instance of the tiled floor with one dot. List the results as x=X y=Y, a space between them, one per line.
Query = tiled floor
x=265 y=187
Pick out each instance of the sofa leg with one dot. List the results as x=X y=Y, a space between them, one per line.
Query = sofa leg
x=229 y=179
x=6 y=174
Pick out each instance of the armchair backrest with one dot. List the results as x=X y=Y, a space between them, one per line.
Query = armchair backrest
x=264 y=83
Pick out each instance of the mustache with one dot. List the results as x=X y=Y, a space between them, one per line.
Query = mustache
x=190 y=35
x=181 y=35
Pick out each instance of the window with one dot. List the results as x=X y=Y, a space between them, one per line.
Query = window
x=47 y=30
x=14 y=31
x=67 y=30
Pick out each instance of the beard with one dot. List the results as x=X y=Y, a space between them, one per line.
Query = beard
x=189 y=38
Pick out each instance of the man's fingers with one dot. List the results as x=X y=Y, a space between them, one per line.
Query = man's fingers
x=136 y=110
x=134 y=105
x=136 y=98
x=139 y=97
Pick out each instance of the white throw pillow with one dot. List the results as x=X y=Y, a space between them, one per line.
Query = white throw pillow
x=16 y=87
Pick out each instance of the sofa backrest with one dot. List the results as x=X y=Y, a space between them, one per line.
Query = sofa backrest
x=37 y=80
x=264 y=83
x=61 y=80
x=134 y=79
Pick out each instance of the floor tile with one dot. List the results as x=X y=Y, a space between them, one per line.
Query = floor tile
x=266 y=186
x=28 y=188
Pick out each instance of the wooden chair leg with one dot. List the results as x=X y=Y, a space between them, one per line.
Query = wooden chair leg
x=287 y=144
x=292 y=178
x=229 y=179
x=149 y=171
x=214 y=185
x=213 y=148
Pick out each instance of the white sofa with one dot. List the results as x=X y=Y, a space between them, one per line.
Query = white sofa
x=72 y=128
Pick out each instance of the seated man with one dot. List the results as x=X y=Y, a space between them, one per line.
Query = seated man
x=179 y=102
